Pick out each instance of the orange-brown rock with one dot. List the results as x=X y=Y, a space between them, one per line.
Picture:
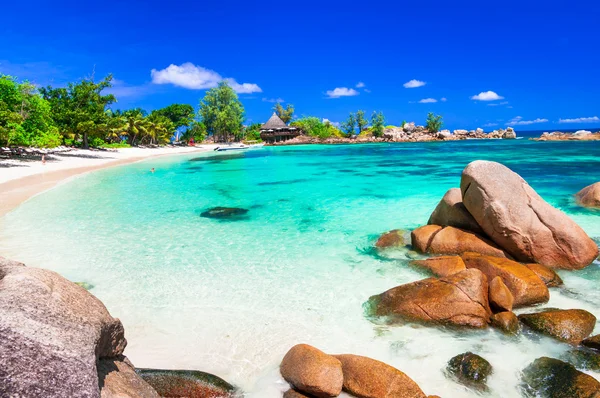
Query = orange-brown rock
x=518 y=220
x=294 y=394
x=367 y=378
x=571 y=326
x=526 y=287
x=422 y=236
x=451 y=212
x=501 y=299
x=311 y=371
x=184 y=383
x=394 y=238
x=449 y=240
x=460 y=299
x=589 y=196
x=441 y=266
x=506 y=321
x=548 y=275
x=592 y=342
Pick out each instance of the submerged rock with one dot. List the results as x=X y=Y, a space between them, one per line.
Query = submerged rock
x=507 y=322
x=552 y=378
x=311 y=371
x=589 y=196
x=441 y=266
x=501 y=299
x=451 y=212
x=547 y=275
x=585 y=359
x=518 y=220
x=394 y=238
x=187 y=383
x=369 y=378
x=470 y=369
x=434 y=239
x=460 y=299
x=224 y=212
x=52 y=334
x=526 y=287
x=571 y=326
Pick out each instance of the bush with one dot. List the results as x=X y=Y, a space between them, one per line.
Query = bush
x=434 y=123
x=116 y=145
x=47 y=139
x=314 y=127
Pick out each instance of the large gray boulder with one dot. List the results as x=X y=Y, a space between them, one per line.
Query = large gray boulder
x=451 y=212
x=518 y=220
x=53 y=333
x=589 y=196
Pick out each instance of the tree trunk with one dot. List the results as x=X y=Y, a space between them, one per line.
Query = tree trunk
x=85 y=141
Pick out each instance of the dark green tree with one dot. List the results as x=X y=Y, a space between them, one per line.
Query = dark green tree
x=222 y=112
x=181 y=115
x=349 y=126
x=434 y=123
x=286 y=114
x=377 y=123
x=361 y=122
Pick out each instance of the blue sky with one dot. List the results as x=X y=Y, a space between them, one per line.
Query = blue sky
x=528 y=64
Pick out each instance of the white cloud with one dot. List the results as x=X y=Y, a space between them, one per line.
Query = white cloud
x=273 y=100
x=427 y=101
x=443 y=99
x=367 y=90
x=518 y=121
x=414 y=83
x=499 y=103
x=195 y=77
x=487 y=96
x=360 y=85
x=342 y=92
x=490 y=124
x=593 y=119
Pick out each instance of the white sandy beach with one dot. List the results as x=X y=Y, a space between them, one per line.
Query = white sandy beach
x=21 y=179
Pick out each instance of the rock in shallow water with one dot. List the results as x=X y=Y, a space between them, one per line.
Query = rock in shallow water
x=117 y=378
x=187 y=383
x=434 y=239
x=507 y=322
x=551 y=378
x=547 y=275
x=460 y=299
x=526 y=287
x=589 y=196
x=571 y=326
x=592 y=342
x=441 y=266
x=224 y=212
x=501 y=299
x=451 y=212
x=516 y=218
x=311 y=371
x=369 y=378
x=470 y=369
x=394 y=238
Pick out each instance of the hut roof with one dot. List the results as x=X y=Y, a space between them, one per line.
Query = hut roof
x=274 y=122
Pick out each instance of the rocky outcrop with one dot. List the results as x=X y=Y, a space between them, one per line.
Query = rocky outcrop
x=368 y=378
x=517 y=219
x=441 y=266
x=434 y=239
x=551 y=378
x=560 y=136
x=451 y=212
x=526 y=287
x=506 y=322
x=547 y=275
x=571 y=326
x=117 y=378
x=501 y=299
x=592 y=342
x=311 y=371
x=187 y=383
x=470 y=369
x=53 y=335
x=394 y=238
x=460 y=299
x=589 y=196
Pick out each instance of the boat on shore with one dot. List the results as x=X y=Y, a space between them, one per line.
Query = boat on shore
x=232 y=147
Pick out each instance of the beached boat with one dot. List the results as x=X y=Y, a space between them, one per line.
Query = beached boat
x=236 y=147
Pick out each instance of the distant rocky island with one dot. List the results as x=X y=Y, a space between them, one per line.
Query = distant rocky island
x=581 y=135
x=407 y=133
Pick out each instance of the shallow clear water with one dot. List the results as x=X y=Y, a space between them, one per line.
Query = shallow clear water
x=232 y=297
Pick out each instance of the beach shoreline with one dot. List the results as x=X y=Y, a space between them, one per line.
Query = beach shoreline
x=21 y=180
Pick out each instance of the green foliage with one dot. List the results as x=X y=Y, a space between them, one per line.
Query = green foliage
x=180 y=115
x=79 y=110
x=252 y=132
x=361 y=122
x=377 y=122
x=197 y=131
x=349 y=125
x=25 y=117
x=222 y=112
x=314 y=127
x=434 y=123
x=115 y=145
x=403 y=123
x=286 y=114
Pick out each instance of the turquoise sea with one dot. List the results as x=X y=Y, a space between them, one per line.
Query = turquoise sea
x=231 y=297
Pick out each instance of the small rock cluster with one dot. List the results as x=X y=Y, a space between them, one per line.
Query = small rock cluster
x=581 y=135
x=496 y=244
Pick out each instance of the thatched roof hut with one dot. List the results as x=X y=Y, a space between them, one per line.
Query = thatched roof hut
x=275 y=130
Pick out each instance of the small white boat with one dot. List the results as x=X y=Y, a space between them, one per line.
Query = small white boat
x=236 y=147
